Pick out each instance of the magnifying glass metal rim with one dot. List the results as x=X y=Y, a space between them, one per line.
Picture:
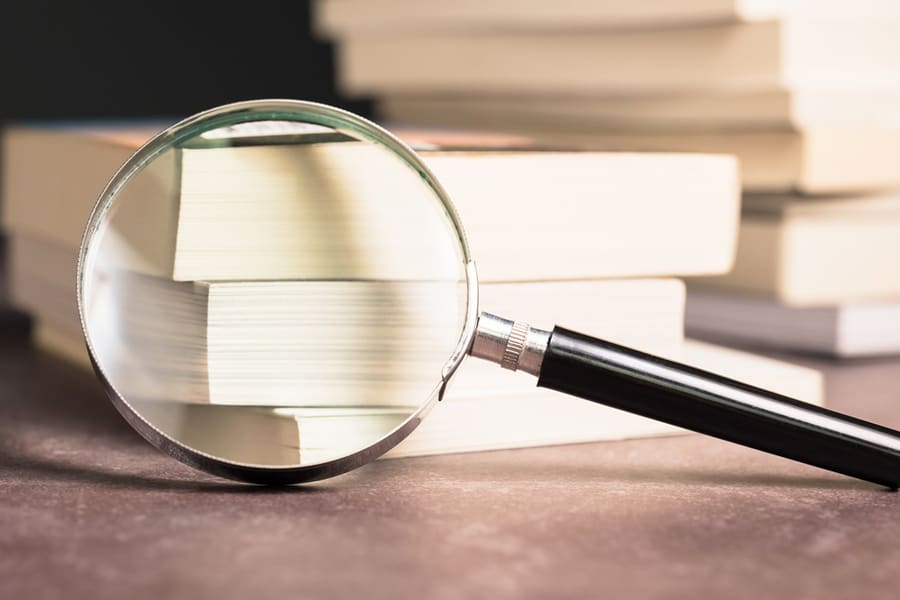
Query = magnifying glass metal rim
x=283 y=110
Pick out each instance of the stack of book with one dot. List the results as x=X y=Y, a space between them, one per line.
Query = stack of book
x=615 y=230
x=804 y=93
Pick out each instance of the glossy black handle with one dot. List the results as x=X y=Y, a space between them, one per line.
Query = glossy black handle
x=694 y=399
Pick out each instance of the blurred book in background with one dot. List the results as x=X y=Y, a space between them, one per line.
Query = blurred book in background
x=803 y=93
x=14 y=324
x=360 y=17
x=617 y=228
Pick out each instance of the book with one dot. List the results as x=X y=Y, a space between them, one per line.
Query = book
x=614 y=214
x=792 y=108
x=233 y=432
x=771 y=54
x=457 y=424
x=547 y=417
x=343 y=18
x=812 y=160
x=816 y=252
x=212 y=366
x=820 y=160
x=40 y=275
x=845 y=330
x=315 y=343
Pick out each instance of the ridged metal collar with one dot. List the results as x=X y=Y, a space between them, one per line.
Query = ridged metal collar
x=514 y=345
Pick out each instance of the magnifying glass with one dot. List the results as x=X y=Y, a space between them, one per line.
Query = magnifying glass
x=277 y=292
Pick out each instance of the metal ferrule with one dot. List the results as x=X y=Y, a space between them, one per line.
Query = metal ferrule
x=513 y=345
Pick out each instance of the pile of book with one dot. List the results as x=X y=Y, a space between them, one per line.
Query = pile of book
x=611 y=233
x=804 y=93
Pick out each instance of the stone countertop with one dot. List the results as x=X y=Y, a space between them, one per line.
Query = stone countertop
x=87 y=509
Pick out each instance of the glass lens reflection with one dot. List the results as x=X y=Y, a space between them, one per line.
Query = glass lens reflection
x=274 y=293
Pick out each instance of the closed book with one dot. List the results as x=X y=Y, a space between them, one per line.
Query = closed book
x=825 y=158
x=758 y=55
x=846 y=330
x=817 y=251
x=791 y=108
x=547 y=417
x=599 y=214
x=344 y=18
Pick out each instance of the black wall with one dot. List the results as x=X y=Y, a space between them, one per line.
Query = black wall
x=102 y=58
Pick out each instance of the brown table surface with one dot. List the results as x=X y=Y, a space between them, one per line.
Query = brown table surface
x=87 y=509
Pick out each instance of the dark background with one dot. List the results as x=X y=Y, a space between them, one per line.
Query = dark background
x=106 y=59
x=157 y=59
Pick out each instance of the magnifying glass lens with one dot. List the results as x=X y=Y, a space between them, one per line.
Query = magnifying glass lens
x=263 y=289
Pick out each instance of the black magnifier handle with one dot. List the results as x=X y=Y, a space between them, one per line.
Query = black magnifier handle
x=694 y=399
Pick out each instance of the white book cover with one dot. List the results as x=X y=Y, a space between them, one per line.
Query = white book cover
x=601 y=214
x=793 y=108
x=346 y=18
x=816 y=51
x=846 y=330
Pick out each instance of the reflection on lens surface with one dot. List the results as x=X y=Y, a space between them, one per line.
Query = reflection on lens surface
x=274 y=293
